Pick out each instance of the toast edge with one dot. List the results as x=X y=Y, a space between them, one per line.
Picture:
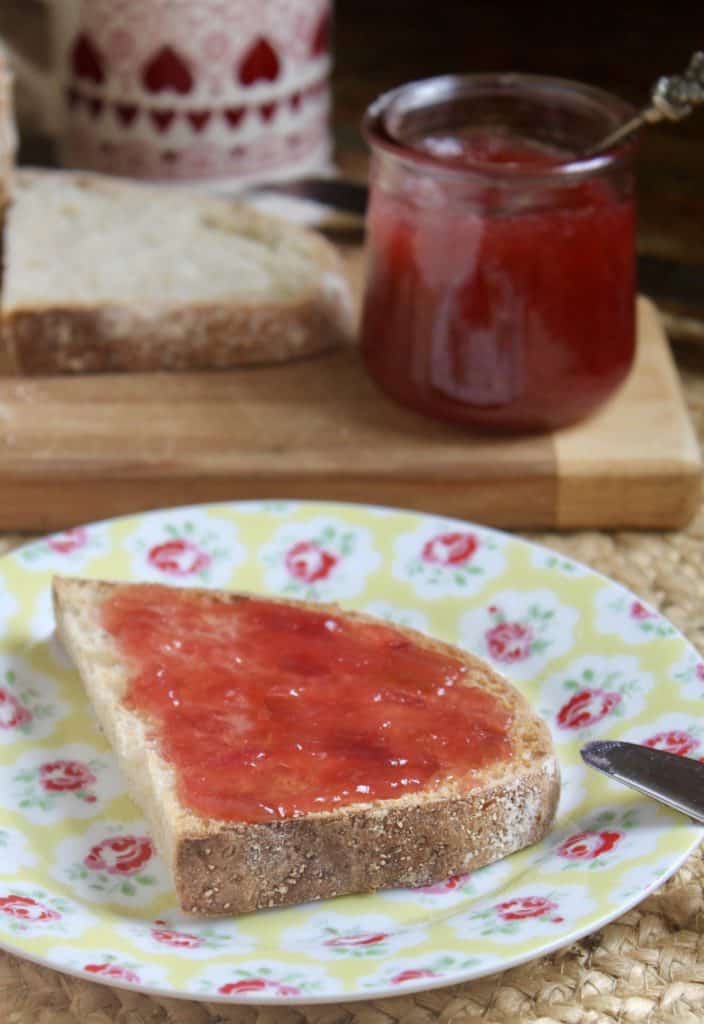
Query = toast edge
x=248 y=868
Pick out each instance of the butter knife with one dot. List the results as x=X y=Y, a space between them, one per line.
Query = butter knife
x=675 y=781
x=339 y=193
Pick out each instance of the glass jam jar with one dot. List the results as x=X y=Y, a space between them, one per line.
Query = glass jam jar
x=501 y=272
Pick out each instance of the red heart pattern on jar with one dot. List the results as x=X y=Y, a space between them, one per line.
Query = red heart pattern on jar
x=168 y=71
x=321 y=39
x=87 y=61
x=260 y=64
x=156 y=94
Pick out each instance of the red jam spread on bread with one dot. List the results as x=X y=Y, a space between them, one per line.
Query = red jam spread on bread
x=269 y=711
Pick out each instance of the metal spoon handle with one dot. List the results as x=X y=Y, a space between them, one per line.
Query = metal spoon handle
x=673 y=97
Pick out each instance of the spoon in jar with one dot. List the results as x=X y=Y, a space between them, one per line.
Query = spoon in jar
x=673 y=97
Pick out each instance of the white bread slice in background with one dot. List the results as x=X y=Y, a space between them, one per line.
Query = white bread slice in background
x=8 y=132
x=225 y=867
x=105 y=275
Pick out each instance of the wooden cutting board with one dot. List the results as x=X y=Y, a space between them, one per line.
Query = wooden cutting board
x=77 y=449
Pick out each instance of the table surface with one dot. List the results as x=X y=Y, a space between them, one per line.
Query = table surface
x=646 y=967
x=649 y=965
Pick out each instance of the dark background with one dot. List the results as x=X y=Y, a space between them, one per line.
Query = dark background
x=620 y=47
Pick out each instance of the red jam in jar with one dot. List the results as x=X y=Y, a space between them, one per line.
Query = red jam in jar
x=501 y=288
x=268 y=711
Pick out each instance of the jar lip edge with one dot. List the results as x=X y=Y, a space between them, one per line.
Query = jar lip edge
x=377 y=136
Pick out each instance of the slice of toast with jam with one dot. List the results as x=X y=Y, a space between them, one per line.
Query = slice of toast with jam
x=286 y=752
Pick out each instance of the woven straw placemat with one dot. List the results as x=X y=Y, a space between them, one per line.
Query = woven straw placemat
x=646 y=967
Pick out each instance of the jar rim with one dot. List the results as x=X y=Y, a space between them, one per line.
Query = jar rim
x=434 y=91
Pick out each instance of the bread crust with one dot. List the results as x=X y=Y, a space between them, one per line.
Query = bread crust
x=8 y=133
x=122 y=337
x=221 y=867
x=111 y=339
x=247 y=867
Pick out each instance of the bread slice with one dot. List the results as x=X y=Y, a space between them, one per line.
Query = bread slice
x=8 y=132
x=105 y=275
x=230 y=867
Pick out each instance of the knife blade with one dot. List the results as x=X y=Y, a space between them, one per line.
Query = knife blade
x=339 y=193
x=675 y=781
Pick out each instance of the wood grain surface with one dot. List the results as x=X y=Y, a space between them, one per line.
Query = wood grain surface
x=72 y=450
x=79 y=448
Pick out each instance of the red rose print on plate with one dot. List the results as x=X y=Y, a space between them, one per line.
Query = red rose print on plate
x=24 y=908
x=350 y=941
x=587 y=708
x=688 y=674
x=589 y=845
x=29 y=702
x=120 y=855
x=331 y=936
x=48 y=784
x=105 y=863
x=69 y=550
x=452 y=548
x=179 y=557
x=620 y=613
x=526 y=906
x=408 y=971
x=322 y=558
x=594 y=692
x=509 y=642
x=113 y=971
x=442 y=965
x=613 y=834
x=674 y=741
x=413 y=974
x=447 y=885
x=176 y=939
x=13 y=714
x=520 y=630
x=266 y=985
x=445 y=557
x=262 y=980
x=453 y=891
x=69 y=541
x=309 y=563
x=189 y=549
x=65 y=776
x=198 y=940
x=640 y=612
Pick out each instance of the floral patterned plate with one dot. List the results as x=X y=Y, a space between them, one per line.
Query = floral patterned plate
x=81 y=886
